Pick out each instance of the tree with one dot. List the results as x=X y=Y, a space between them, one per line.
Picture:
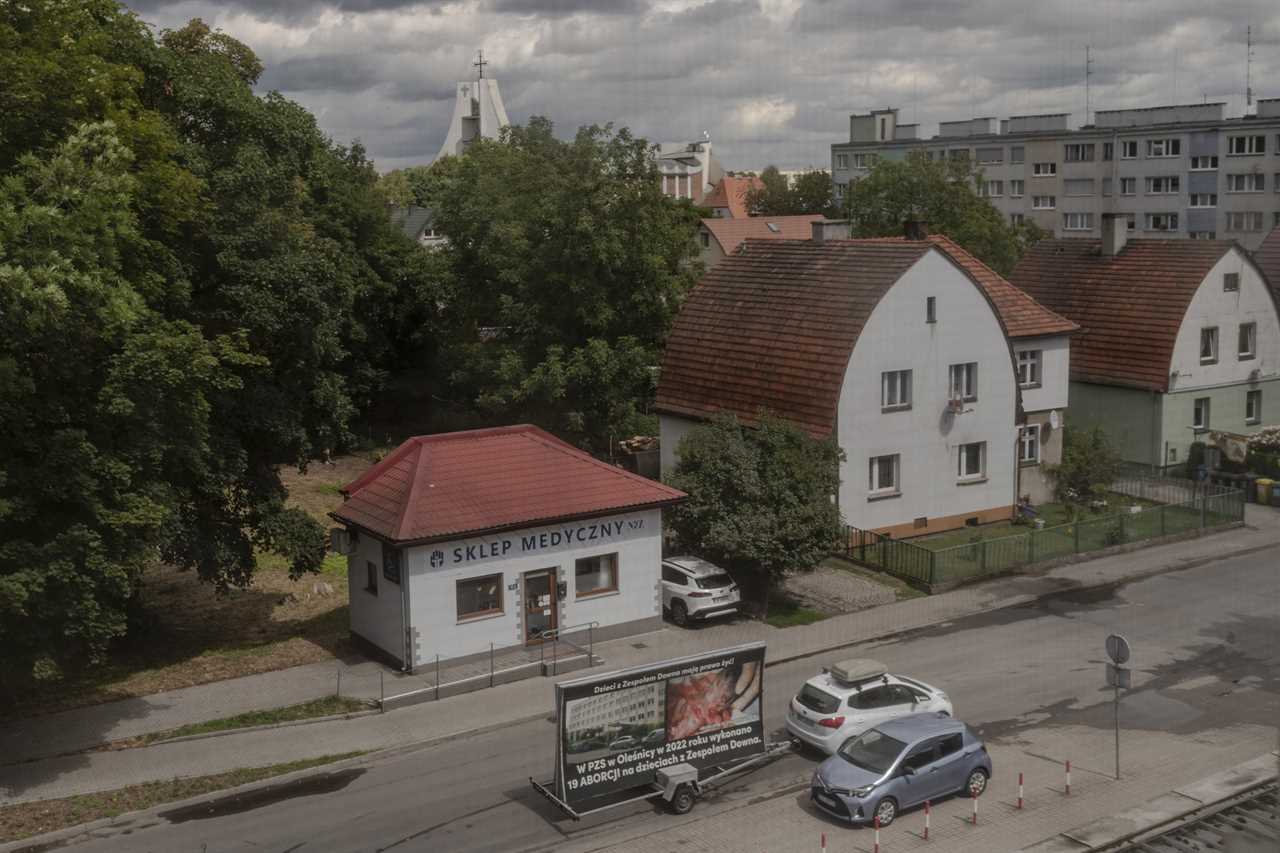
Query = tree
x=809 y=193
x=759 y=497
x=943 y=193
x=1089 y=466
x=569 y=265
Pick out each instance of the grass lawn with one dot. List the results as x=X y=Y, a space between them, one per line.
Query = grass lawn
x=303 y=711
x=26 y=819
x=785 y=613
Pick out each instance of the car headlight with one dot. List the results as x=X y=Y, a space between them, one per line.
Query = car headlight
x=861 y=792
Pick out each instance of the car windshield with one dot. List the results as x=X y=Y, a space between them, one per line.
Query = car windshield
x=817 y=700
x=872 y=750
x=715 y=581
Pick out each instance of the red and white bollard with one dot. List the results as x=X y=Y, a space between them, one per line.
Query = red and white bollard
x=1068 y=777
x=877 y=834
x=824 y=842
x=926 y=820
x=975 y=808
x=1019 y=790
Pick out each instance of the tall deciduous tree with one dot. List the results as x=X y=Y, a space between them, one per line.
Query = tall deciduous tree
x=945 y=194
x=809 y=193
x=760 y=498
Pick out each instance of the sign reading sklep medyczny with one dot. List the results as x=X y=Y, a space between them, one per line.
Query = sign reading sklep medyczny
x=581 y=534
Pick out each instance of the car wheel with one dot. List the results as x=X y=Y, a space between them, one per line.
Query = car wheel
x=976 y=784
x=683 y=799
x=679 y=613
x=886 y=810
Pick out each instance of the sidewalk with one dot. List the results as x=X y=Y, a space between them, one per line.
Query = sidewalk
x=65 y=775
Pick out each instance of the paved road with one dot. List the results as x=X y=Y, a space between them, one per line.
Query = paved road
x=1207 y=661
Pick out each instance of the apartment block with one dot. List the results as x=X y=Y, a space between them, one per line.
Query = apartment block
x=1172 y=171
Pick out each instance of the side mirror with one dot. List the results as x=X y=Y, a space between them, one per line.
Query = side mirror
x=908 y=770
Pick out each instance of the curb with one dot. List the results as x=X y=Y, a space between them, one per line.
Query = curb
x=350 y=715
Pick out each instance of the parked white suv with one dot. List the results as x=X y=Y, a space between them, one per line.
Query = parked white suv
x=693 y=589
x=852 y=696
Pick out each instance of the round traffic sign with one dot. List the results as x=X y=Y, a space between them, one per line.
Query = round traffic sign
x=1117 y=648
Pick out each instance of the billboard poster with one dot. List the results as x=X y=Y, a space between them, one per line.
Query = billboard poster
x=614 y=731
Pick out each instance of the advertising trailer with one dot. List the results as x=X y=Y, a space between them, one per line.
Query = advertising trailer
x=665 y=728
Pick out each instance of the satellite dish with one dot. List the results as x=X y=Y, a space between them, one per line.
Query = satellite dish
x=1055 y=420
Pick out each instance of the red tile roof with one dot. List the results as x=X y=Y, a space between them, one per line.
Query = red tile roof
x=772 y=327
x=730 y=233
x=1267 y=257
x=1130 y=305
x=461 y=484
x=732 y=192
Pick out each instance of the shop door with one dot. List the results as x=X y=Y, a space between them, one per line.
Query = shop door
x=540 y=604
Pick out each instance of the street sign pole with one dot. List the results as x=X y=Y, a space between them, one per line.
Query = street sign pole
x=1118 y=676
x=1117 y=703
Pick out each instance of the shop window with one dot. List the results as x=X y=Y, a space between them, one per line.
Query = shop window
x=479 y=596
x=593 y=575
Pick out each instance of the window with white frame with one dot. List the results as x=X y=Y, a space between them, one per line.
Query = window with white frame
x=1108 y=151
x=595 y=575
x=1202 y=235
x=1248 y=182
x=1162 y=222
x=1164 y=147
x=992 y=189
x=1163 y=185
x=1200 y=413
x=1017 y=218
x=1130 y=221
x=864 y=161
x=964 y=381
x=842 y=161
x=895 y=389
x=1044 y=202
x=1078 y=152
x=882 y=478
x=1016 y=188
x=1246 y=145
x=1230 y=282
x=1029 y=368
x=971 y=462
x=1077 y=221
x=1247 y=341
x=1029 y=444
x=1128 y=149
x=1244 y=220
x=1044 y=170
x=1253 y=407
x=1204 y=163
x=840 y=190
x=1209 y=345
x=1128 y=186
x=1204 y=200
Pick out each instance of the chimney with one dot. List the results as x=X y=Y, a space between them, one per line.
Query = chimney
x=1115 y=231
x=915 y=229
x=830 y=229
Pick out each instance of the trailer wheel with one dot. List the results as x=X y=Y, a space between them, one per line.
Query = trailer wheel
x=683 y=799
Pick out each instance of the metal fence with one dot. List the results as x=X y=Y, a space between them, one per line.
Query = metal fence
x=1183 y=506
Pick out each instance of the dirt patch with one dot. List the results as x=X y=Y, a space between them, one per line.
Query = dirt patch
x=832 y=590
x=316 y=491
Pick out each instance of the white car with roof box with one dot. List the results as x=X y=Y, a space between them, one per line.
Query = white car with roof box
x=694 y=590
x=854 y=695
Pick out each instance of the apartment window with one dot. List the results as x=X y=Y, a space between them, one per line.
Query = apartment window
x=1077 y=186
x=864 y=161
x=1246 y=145
x=371 y=577
x=1077 y=221
x=1017 y=154
x=391 y=563
x=895 y=389
x=1029 y=368
x=1130 y=221
x=883 y=476
x=992 y=189
x=1029 y=444
x=971 y=461
x=1129 y=149
x=1251 y=182
x=1044 y=202
x=595 y=575
x=1162 y=222
x=958 y=153
x=1253 y=407
x=1247 y=341
x=964 y=381
x=1128 y=186
x=990 y=155
x=1078 y=152
x=840 y=190
x=1164 y=147
x=1200 y=413
x=931 y=309
x=1107 y=186
x=1209 y=345
x=1230 y=282
x=1044 y=170
x=1016 y=188
x=1205 y=163
x=1166 y=185
x=1108 y=151
x=1244 y=220
x=479 y=596
x=1202 y=235
x=1204 y=199
x=1017 y=218
x=842 y=161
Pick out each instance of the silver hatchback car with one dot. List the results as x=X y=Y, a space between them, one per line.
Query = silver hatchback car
x=899 y=764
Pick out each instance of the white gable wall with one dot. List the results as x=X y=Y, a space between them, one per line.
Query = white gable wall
x=896 y=337
x=1055 y=372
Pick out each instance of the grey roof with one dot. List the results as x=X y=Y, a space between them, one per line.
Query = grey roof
x=412 y=220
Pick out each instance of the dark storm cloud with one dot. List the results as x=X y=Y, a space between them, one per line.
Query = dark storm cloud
x=557 y=8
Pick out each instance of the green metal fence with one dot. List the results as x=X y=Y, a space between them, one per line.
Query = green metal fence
x=1203 y=506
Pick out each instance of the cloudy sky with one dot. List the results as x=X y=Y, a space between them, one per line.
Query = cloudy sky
x=772 y=81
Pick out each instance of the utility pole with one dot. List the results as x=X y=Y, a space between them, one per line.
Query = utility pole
x=1248 y=66
x=1088 y=72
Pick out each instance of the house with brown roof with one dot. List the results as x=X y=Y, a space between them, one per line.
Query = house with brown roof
x=1179 y=337
x=718 y=238
x=491 y=538
x=899 y=349
x=728 y=199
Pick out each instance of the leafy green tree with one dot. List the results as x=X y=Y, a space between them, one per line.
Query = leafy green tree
x=1090 y=463
x=943 y=193
x=810 y=193
x=759 y=497
x=569 y=265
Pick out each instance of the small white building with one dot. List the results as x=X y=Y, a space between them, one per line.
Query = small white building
x=496 y=536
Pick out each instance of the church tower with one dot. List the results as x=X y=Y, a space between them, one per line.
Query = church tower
x=477 y=112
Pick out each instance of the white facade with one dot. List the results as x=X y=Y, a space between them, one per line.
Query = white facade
x=427 y=598
x=478 y=112
x=923 y=436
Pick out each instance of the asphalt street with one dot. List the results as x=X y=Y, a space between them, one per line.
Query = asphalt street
x=1206 y=656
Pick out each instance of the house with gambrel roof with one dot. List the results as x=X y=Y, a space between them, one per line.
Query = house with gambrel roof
x=1179 y=337
x=899 y=349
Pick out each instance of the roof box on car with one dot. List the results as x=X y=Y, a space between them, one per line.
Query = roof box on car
x=854 y=670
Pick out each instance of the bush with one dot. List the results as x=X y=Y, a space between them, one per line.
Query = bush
x=1089 y=465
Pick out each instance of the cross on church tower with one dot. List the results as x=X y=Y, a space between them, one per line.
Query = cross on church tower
x=480 y=63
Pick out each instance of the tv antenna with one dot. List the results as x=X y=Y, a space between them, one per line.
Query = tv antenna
x=1088 y=72
x=1248 y=66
